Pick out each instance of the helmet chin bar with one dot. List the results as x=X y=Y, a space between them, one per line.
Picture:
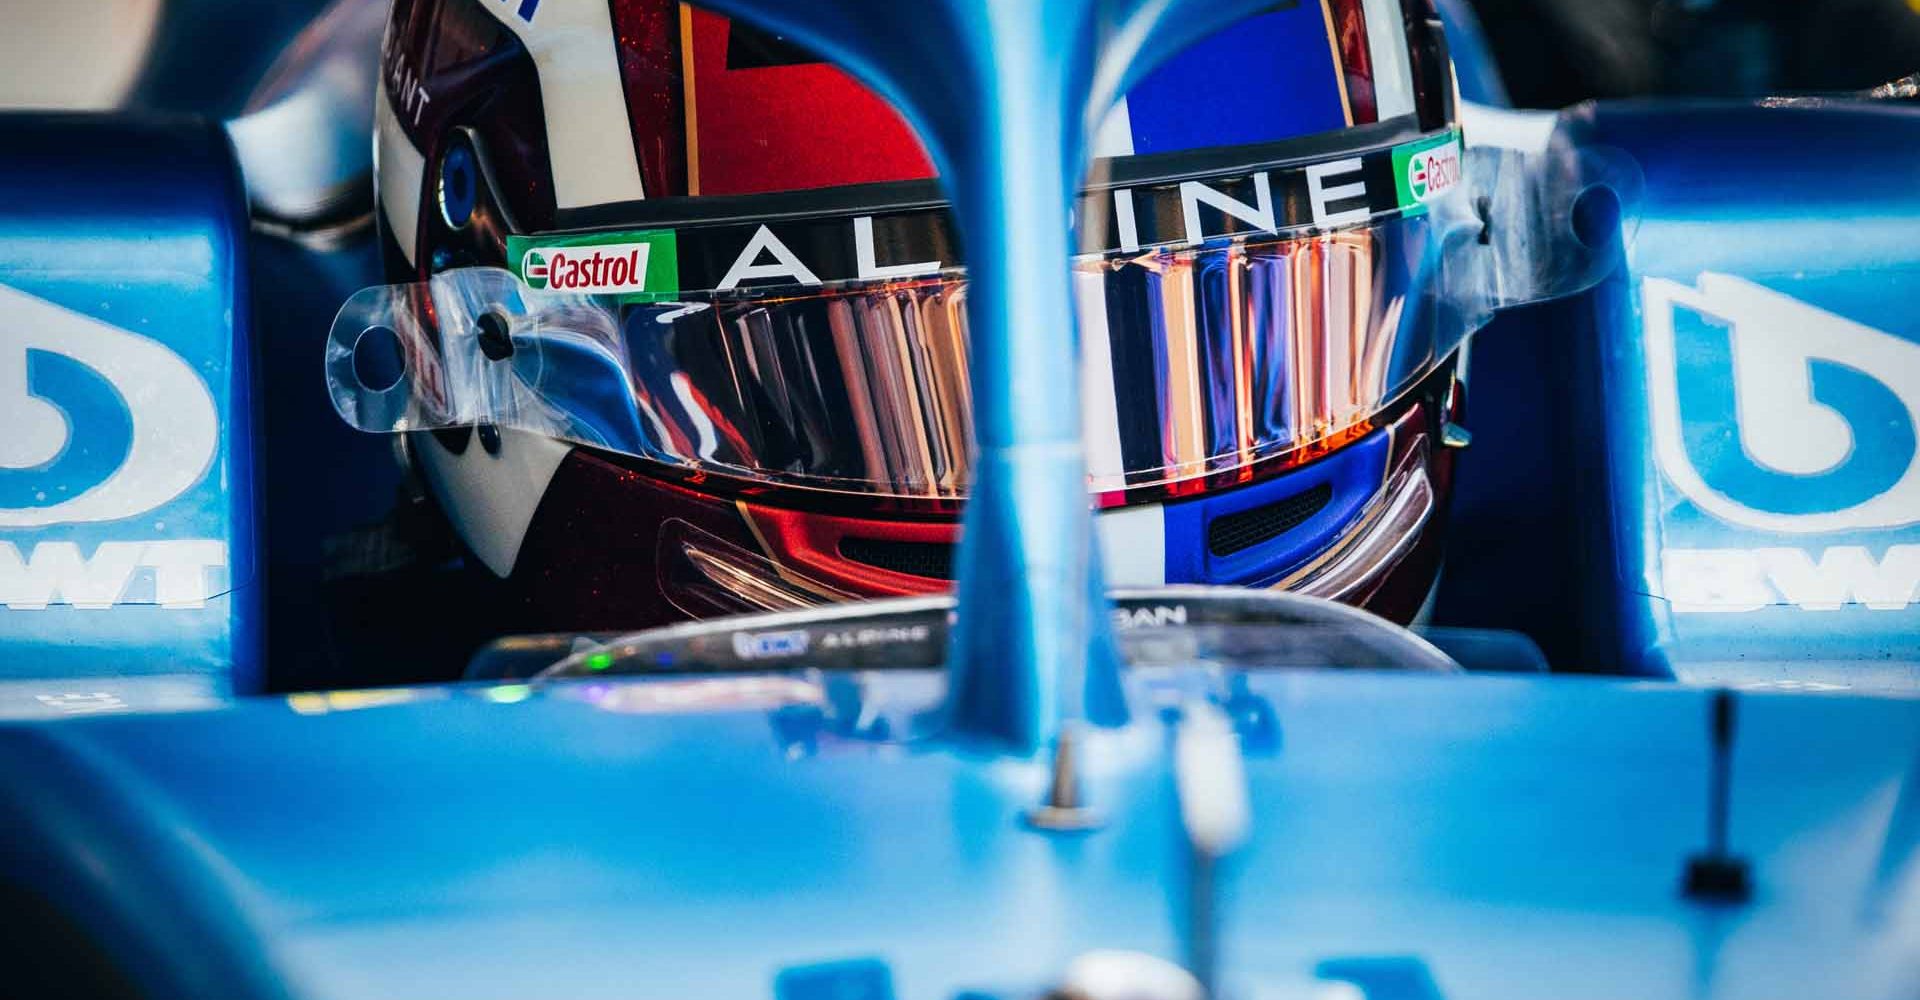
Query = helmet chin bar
x=706 y=576
x=1377 y=541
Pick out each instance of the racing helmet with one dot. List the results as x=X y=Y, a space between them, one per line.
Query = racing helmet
x=728 y=300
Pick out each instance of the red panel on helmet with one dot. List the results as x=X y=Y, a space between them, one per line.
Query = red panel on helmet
x=651 y=75
x=762 y=124
x=810 y=544
x=1349 y=25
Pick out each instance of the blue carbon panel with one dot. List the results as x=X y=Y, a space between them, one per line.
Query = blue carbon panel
x=1267 y=78
x=126 y=479
x=1759 y=389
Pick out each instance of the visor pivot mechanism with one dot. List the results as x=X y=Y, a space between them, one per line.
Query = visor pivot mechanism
x=493 y=335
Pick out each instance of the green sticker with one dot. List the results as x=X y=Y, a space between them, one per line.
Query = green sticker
x=1425 y=170
x=641 y=266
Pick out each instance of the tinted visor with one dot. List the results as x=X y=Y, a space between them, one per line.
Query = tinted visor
x=1199 y=361
x=1239 y=322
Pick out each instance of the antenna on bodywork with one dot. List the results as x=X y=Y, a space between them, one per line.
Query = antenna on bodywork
x=1002 y=93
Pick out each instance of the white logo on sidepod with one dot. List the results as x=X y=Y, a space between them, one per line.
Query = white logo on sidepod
x=1737 y=580
x=1775 y=339
x=175 y=425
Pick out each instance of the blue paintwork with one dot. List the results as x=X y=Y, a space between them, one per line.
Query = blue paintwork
x=1502 y=837
x=1416 y=837
x=1816 y=202
x=1231 y=89
x=139 y=225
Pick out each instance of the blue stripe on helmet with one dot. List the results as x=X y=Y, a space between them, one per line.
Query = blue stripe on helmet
x=1269 y=77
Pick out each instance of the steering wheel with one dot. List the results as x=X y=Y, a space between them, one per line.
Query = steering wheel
x=1160 y=627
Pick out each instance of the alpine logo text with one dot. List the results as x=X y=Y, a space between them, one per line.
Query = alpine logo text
x=1191 y=212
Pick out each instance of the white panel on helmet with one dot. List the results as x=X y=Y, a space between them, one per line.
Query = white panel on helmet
x=1099 y=401
x=401 y=169
x=1133 y=545
x=1115 y=137
x=1392 y=67
x=589 y=137
x=491 y=498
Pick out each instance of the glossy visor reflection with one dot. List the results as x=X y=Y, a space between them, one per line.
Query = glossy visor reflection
x=1199 y=361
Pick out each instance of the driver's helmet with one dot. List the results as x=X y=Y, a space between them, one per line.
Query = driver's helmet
x=767 y=403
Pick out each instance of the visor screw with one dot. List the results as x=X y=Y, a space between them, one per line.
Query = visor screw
x=1596 y=217
x=492 y=332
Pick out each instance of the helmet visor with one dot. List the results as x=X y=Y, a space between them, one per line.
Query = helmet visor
x=1220 y=335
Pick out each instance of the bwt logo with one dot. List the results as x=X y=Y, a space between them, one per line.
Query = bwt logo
x=1775 y=415
x=1814 y=431
x=770 y=645
x=100 y=425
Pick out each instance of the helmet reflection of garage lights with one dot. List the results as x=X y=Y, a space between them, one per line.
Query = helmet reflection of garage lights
x=719 y=307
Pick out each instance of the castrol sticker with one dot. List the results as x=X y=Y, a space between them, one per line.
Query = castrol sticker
x=641 y=265
x=1427 y=170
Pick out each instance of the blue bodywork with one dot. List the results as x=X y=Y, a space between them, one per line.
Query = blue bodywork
x=1705 y=467
x=1482 y=837
x=1415 y=837
x=121 y=566
x=1751 y=389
